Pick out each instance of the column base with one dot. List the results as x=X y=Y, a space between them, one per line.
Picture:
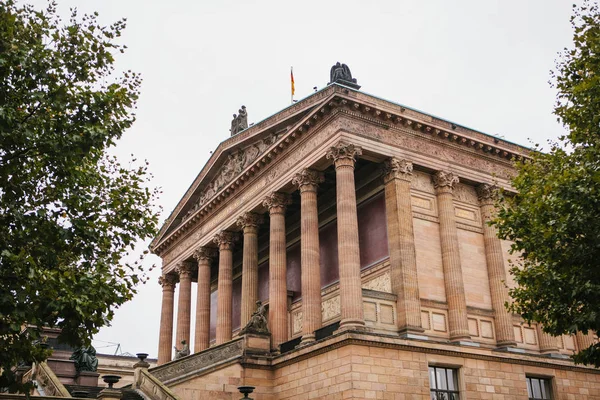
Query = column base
x=468 y=342
x=408 y=335
x=307 y=339
x=506 y=344
x=351 y=325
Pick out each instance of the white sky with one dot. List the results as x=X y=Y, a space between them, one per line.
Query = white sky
x=481 y=64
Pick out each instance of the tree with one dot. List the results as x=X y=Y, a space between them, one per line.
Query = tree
x=554 y=218
x=69 y=212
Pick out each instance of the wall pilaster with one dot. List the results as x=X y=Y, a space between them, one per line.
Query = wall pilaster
x=401 y=244
x=444 y=183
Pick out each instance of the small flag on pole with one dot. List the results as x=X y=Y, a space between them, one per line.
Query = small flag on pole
x=292 y=78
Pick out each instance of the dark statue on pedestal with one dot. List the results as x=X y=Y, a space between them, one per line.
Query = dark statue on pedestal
x=258 y=321
x=341 y=74
x=85 y=359
x=239 y=122
x=184 y=351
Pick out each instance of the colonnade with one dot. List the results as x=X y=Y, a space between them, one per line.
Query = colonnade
x=403 y=266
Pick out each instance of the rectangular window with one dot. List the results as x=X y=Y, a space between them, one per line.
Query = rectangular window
x=443 y=383
x=538 y=388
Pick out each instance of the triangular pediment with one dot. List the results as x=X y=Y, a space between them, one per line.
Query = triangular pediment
x=237 y=153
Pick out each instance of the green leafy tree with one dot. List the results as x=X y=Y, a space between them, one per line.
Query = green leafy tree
x=69 y=212
x=554 y=218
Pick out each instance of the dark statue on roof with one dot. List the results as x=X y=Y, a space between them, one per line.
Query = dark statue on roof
x=184 y=351
x=258 y=321
x=85 y=359
x=341 y=74
x=239 y=122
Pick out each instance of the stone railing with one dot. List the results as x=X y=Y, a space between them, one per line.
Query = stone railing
x=48 y=384
x=196 y=364
x=14 y=396
x=151 y=387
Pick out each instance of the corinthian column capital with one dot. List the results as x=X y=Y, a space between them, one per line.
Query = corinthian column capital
x=204 y=254
x=277 y=202
x=249 y=221
x=344 y=154
x=308 y=180
x=487 y=193
x=167 y=281
x=184 y=269
x=225 y=240
x=444 y=181
x=395 y=168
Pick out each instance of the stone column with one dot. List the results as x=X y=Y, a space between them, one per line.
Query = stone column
x=584 y=340
x=184 y=303
x=548 y=344
x=225 y=241
x=505 y=335
x=276 y=204
x=307 y=182
x=401 y=244
x=204 y=256
x=249 y=223
x=165 y=340
x=453 y=280
x=343 y=155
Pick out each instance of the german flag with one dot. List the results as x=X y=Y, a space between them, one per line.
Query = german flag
x=292 y=78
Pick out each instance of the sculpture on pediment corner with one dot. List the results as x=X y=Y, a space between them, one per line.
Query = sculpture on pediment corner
x=341 y=73
x=258 y=321
x=184 y=351
x=239 y=121
x=85 y=359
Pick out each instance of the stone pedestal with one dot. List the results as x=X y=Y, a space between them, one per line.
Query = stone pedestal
x=444 y=183
x=505 y=336
x=401 y=244
x=204 y=256
x=165 y=339
x=278 y=310
x=307 y=182
x=343 y=155
x=87 y=378
x=225 y=240
x=109 y=394
x=257 y=344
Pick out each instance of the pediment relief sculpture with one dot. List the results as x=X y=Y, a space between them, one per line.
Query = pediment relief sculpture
x=233 y=166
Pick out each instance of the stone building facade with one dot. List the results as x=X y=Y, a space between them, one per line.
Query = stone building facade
x=362 y=224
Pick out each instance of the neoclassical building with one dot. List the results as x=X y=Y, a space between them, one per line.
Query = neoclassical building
x=361 y=226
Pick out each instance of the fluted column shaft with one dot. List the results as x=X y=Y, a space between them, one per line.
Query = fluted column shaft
x=348 y=246
x=276 y=204
x=307 y=181
x=548 y=343
x=401 y=244
x=204 y=256
x=505 y=335
x=584 y=340
x=453 y=279
x=225 y=241
x=184 y=303
x=166 y=318
x=249 y=223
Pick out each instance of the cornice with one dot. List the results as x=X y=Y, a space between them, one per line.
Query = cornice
x=387 y=114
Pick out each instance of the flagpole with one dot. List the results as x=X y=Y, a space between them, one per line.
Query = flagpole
x=292 y=87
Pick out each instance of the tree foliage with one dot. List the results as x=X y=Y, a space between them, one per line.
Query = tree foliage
x=69 y=212
x=554 y=218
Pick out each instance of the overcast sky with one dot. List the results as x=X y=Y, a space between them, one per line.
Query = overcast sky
x=483 y=64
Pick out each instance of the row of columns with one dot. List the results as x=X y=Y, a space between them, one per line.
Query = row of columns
x=403 y=266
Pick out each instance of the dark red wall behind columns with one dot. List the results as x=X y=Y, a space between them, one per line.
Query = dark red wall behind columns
x=372 y=230
x=328 y=246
